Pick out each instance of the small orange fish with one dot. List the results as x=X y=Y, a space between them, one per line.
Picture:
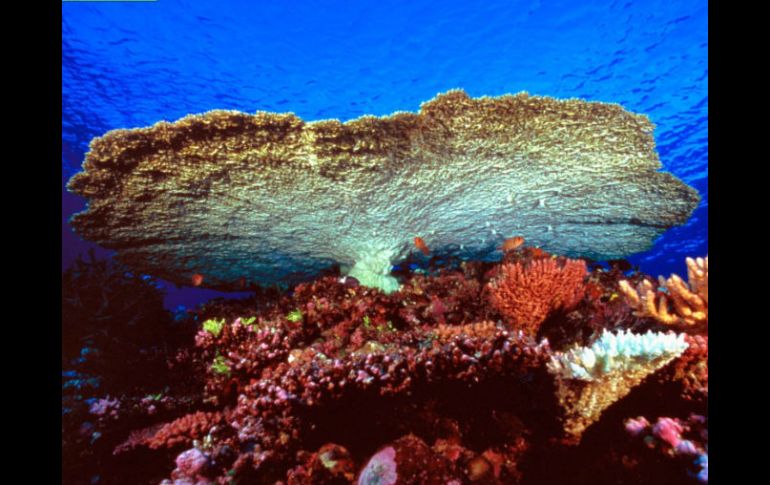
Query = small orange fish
x=197 y=279
x=512 y=243
x=422 y=246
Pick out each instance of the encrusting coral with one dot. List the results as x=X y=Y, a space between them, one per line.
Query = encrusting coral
x=678 y=303
x=226 y=198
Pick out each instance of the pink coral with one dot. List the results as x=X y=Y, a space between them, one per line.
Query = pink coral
x=191 y=463
x=677 y=438
x=104 y=407
x=668 y=430
x=381 y=469
x=636 y=426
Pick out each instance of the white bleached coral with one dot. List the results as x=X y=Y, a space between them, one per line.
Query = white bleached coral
x=618 y=353
x=590 y=379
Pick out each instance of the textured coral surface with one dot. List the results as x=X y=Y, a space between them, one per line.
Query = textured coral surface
x=271 y=198
x=336 y=383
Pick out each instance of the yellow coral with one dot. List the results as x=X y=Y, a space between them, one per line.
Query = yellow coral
x=683 y=304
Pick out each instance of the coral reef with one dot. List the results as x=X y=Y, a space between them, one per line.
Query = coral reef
x=676 y=302
x=526 y=294
x=119 y=367
x=334 y=382
x=330 y=465
x=685 y=440
x=592 y=378
x=225 y=198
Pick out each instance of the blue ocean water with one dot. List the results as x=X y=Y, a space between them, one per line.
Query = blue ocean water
x=131 y=64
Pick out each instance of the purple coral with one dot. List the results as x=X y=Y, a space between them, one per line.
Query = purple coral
x=191 y=462
x=381 y=469
x=668 y=430
x=105 y=406
x=636 y=426
x=666 y=436
x=190 y=466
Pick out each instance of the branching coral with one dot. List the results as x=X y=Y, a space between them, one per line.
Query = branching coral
x=618 y=353
x=273 y=406
x=589 y=379
x=525 y=294
x=338 y=363
x=676 y=303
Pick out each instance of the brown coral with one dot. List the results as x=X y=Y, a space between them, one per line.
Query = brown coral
x=682 y=304
x=271 y=198
x=526 y=294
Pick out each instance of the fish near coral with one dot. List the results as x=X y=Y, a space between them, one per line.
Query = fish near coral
x=512 y=243
x=197 y=279
x=418 y=241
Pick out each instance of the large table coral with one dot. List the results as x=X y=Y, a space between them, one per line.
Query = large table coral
x=231 y=198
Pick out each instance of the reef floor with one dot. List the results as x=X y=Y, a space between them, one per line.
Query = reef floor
x=537 y=369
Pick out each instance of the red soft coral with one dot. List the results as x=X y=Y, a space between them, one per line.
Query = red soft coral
x=525 y=294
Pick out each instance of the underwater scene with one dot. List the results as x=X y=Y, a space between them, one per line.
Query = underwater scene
x=378 y=243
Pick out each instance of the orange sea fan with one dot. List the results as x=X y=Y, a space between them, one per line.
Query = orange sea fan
x=526 y=294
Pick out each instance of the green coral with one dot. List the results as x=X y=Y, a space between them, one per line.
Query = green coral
x=294 y=316
x=214 y=326
x=248 y=321
x=220 y=366
x=327 y=460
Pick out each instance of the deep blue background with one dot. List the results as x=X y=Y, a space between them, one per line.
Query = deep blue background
x=128 y=65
